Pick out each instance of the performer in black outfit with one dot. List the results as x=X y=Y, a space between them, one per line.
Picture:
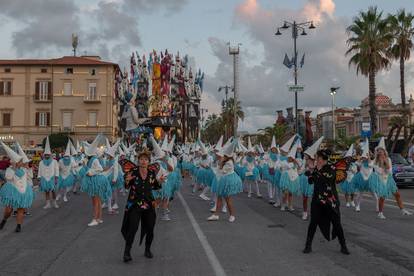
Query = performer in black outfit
x=325 y=203
x=141 y=181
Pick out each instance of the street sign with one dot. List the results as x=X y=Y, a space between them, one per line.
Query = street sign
x=366 y=130
x=296 y=88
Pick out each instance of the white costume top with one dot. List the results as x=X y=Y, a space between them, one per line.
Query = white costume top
x=382 y=172
x=228 y=168
x=95 y=168
x=366 y=171
x=47 y=172
x=64 y=170
x=20 y=183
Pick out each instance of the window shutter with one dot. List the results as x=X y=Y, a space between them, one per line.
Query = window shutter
x=49 y=90
x=37 y=119
x=37 y=91
x=48 y=118
x=1 y=88
x=9 y=88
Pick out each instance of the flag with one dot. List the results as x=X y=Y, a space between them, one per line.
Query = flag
x=287 y=62
x=302 y=61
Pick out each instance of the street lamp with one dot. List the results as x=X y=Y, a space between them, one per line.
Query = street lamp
x=333 y=92
x=296 y=27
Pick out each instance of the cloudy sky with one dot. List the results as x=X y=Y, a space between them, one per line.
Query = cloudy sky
x=201 y=29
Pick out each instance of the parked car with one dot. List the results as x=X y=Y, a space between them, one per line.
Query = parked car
x=402 y=171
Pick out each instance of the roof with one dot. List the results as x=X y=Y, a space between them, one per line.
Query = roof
x=66 y=60
x=380 y=99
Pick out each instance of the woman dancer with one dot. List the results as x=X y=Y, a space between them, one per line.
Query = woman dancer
x=347 y=186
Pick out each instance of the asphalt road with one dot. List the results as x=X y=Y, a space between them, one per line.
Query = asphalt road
x=262 y=241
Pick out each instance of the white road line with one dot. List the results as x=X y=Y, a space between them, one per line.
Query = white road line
x=390 y=200
x=214 y=262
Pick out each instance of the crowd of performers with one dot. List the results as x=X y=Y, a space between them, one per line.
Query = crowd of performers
x=218 y=173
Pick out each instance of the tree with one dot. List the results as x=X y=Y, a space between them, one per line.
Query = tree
x=228 y=115
x=403 y=29
x=370 y=38
x=58 y=141
x=279 y=131
x=213 y=129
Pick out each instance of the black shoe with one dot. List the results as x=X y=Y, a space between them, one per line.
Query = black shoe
x=307 y=250
x=344 y=250
x=2 y=223
x=127 y=255
x=148 y=254
x=18 y=228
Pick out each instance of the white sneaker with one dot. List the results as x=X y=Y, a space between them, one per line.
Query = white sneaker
x=405 y=212
x=213 y=210
x=305 y=216
x=224 y=209
x=104 y=206
x=55 y=205
x=352 y=204
x=65 y=199
x=58 y=197
x=276 y=205
x=249 y=195
x=348 y=205
x=358 y=208
x=94 y=222
x=381 y=215
x=283 y=208
x=291 y=209
x=165 y=217
x=232 y=218
x=47 y=206
x=213 y=218
x=204 y=197
x=115 y=206
x=259 y=196
x=99 y=221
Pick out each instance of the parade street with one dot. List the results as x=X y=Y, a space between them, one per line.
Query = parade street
x=262 y=241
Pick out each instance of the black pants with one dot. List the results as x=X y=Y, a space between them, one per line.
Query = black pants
x=131 y=223
x=323 y=216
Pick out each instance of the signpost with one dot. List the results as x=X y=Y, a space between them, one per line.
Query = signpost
x=366 y=130
x=296 y=88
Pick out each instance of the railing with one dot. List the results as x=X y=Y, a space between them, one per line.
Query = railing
x=88 y=99
x=41 y=100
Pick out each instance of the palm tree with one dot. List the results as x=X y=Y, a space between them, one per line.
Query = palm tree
x=403 y=29
x=228 y=114
x=370 y=38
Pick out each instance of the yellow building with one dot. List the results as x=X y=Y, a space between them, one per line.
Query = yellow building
x=69 y=94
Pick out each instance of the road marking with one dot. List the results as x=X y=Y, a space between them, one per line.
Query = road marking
x=214 y=262
x=391 y=200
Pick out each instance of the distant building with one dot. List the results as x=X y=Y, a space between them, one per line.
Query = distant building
x=68 y=94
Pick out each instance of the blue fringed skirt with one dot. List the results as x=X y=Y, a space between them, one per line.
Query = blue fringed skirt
x=47 y=185
x=66 y=182
x=254 y=177
x=205 y=176
x=347 y=187
x=385 y=190
x=305 y=188
x=360 y=184
x=286 y=184
x=97 y=185
x=228 y=185
x=11 y=197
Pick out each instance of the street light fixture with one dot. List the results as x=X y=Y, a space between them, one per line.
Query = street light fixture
x=296 y=27
x=333 y=92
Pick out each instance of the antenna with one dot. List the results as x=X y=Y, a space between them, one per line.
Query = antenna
x=75 y=42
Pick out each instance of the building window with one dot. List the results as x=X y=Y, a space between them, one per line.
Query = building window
x=43 y=70
x=69 y=70
x=5 y=88
x=6 y=119
x=42 y=119
x=93 y=72
x=43 y=91
x=92 y=91
x=92 y=119
x=7 y=70
x=67 y=89
x=67 y=120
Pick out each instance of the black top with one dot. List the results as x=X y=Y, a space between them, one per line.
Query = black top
x=324 y=186
x=140 y=190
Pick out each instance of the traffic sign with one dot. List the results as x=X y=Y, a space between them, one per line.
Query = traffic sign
x=296 y=88
x=366 y=130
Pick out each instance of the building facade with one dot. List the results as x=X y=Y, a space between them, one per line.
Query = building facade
x=72 y=95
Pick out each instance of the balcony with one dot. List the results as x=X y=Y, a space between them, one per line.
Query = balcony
x=42 y=100
x=89 y=99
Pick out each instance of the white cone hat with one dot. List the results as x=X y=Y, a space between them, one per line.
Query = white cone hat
x=14 y=157
x=25 y=159
x=299 y=142
x=164 y=145
x=219 y=144
x=72 y=149
x=250 y=147
x=365 y=149
x=171 y=144
x=286 y=147
x=158 y=153
x=293 y=150
x=350 y=151
x=47 y=147
x=92 y=149
x=229 y=150
x=108 y=145
x=67 y=152
x=78 y=149
x=311 y=151
x=112 y=150
x=273 y=145
x=381 y=144
x=261 y=148
x=203 y=148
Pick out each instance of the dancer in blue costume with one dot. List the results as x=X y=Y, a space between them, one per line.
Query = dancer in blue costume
x=66 y=176
x=382 y=181
x=250 y=170
x=347 y=186
x=361 y=179
x=95 y=184
x=115 y=176
x=206 y=174
x=289 y=178
x=271 y=174
x=228 y=184
x=16 y=193
x=49 y=174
